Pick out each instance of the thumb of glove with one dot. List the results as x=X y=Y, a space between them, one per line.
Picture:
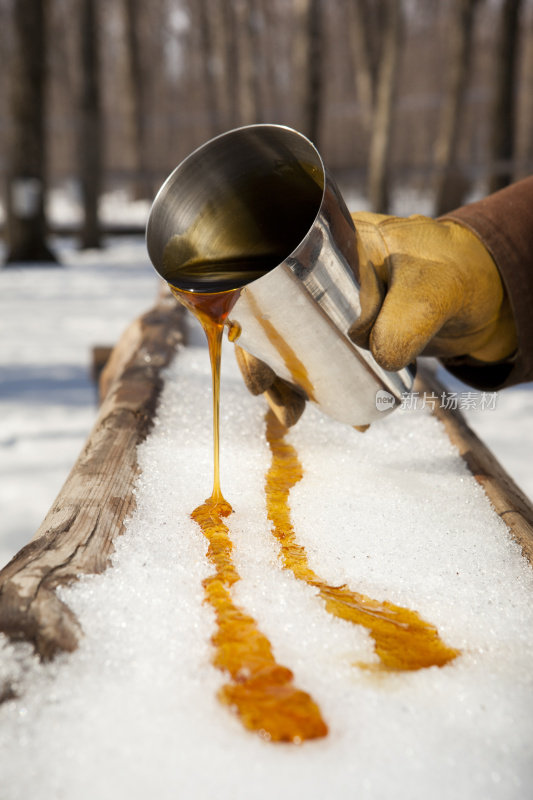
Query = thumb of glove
x=259 y=378
x=257 y=375
x=371 y=294
x=419 y=302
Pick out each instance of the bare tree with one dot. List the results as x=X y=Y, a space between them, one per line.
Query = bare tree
x=450 y=184
x=504 y=109
x=135 y=95
x=250 y=88
x=374 y=36
x=26 y=180
x=526 y=110
x=90 y=134
x=227 y=26
x=380 y=145
x=315 y=46
x=175 y=72
x=208 y=60
x=363 y=59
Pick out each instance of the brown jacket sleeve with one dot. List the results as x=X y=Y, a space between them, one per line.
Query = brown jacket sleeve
x=504 y=223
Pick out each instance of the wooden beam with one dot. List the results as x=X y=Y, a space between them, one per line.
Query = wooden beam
x=77 y=535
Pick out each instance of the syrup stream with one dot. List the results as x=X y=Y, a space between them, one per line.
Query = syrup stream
x=403 y=640
x=261 y=691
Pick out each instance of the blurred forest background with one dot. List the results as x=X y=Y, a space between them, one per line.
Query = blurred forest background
x=429 y=96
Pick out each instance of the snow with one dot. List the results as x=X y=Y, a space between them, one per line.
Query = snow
x=393 y=513
x=50 y=319
x=134 y=711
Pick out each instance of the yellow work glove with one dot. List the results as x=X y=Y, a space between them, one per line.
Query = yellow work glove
x=427 y=287
x=286 y=404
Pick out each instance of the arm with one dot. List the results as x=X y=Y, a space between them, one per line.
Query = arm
x=459 y=288
x=504 y=223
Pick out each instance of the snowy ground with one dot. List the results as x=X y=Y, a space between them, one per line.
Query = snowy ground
x=394 y=514
x=50 y=319
x=134 y=710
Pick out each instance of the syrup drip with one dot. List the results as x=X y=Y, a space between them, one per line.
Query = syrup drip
x=234 y=331
x=403 y=640
x=212 y=311
x=260 y=691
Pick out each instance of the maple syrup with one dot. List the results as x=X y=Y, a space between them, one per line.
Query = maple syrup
x=209 y=276
x=261 y=691
x=234 y=331
x=212 y=310
x=402 y=639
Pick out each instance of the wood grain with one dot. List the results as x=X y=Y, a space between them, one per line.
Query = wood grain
x=77 y=535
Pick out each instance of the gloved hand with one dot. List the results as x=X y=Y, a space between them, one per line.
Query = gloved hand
x=427 y=287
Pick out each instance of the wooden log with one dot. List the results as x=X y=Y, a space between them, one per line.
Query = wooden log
x=77 y=535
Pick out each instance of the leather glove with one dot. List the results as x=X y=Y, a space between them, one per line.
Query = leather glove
x=426 y=287
x=287 y=404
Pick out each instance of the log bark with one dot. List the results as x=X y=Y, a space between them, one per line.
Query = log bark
x=77 y=535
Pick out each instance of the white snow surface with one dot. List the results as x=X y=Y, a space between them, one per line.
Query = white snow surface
x=393 y=513
x=50 y=319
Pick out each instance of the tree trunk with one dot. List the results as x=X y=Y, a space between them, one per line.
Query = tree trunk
x=359 y=44
x=90 y=157
x=250 y=89
x=525 y=154
x=503 y=120
x=230 y=60
x=208 y=59
x=26 y=182
x=380 y=145
x=450 y=184
x=315 y=44
x=135 y=84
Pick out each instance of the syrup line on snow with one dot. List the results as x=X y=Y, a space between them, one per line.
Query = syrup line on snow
x=402 y=639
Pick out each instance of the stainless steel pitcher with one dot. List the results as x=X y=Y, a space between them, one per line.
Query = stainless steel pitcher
x=255 y=211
